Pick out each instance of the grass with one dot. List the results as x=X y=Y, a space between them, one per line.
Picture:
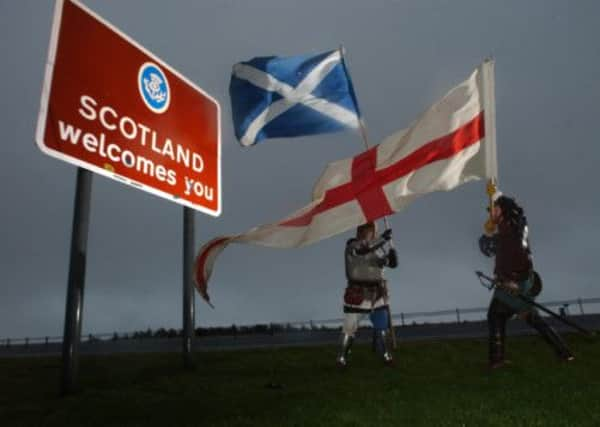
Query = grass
x=433 y=384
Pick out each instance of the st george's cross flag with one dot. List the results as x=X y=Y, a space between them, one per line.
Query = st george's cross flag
x=453 y=142
x=276 y=97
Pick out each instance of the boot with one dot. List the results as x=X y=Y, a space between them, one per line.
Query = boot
x=550 y=336
x=342 y=359
x=374 y=341
x=384 y=347
x=497 y=331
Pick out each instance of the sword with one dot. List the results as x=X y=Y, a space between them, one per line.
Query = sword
x=491 y=283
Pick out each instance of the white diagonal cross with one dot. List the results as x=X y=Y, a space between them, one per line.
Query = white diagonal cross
x=301 y=94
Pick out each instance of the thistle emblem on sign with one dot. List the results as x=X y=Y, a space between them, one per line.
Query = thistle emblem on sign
x=154 y=87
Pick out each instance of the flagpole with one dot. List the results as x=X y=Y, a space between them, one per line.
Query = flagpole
x=365 y=138
x=491 y=188
x=363 y=129
x=363 y=132
x=491 y=159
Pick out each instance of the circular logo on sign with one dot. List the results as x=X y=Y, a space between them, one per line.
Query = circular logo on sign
x=154 y=87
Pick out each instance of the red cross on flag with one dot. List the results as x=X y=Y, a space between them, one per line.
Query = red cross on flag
x=453 y=142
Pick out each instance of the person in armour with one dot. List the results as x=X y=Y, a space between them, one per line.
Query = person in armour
x=366 y=293
x=514 y=275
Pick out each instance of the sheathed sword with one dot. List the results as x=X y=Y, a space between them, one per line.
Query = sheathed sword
x=491 y=283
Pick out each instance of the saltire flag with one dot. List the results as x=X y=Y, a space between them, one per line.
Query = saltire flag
x=452 y=143
x=275 y=97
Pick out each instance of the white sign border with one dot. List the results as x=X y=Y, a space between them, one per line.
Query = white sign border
x=45 y=99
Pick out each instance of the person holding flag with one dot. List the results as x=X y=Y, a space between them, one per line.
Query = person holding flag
x=366 y=293
x=514 y=275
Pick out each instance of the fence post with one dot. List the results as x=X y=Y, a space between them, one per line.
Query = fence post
x=457 y=315
x=46 y=341
x=580 y=305
x=402 y=318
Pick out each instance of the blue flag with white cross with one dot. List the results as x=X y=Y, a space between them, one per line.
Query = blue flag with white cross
x=277 y=97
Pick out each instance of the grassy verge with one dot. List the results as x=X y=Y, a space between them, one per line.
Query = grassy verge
x=432 y=384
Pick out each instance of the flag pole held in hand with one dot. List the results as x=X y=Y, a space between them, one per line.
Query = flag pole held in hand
x=491 y=189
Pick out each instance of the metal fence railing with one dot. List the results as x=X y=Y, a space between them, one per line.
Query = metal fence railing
x=458 y=314
x=455 y=314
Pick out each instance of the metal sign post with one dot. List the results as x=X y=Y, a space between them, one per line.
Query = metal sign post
x=74 y=307
x=188 y=286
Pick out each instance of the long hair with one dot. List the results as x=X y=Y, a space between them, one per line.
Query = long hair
x=514 y=215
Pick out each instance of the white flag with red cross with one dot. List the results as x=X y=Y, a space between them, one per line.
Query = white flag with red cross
x=453 y=142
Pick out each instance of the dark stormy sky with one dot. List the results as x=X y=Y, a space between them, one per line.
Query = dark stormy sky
x=403 y=55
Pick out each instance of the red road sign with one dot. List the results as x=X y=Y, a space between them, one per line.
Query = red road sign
x=112 y=107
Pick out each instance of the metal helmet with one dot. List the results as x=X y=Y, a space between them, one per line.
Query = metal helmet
x=366 y=227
